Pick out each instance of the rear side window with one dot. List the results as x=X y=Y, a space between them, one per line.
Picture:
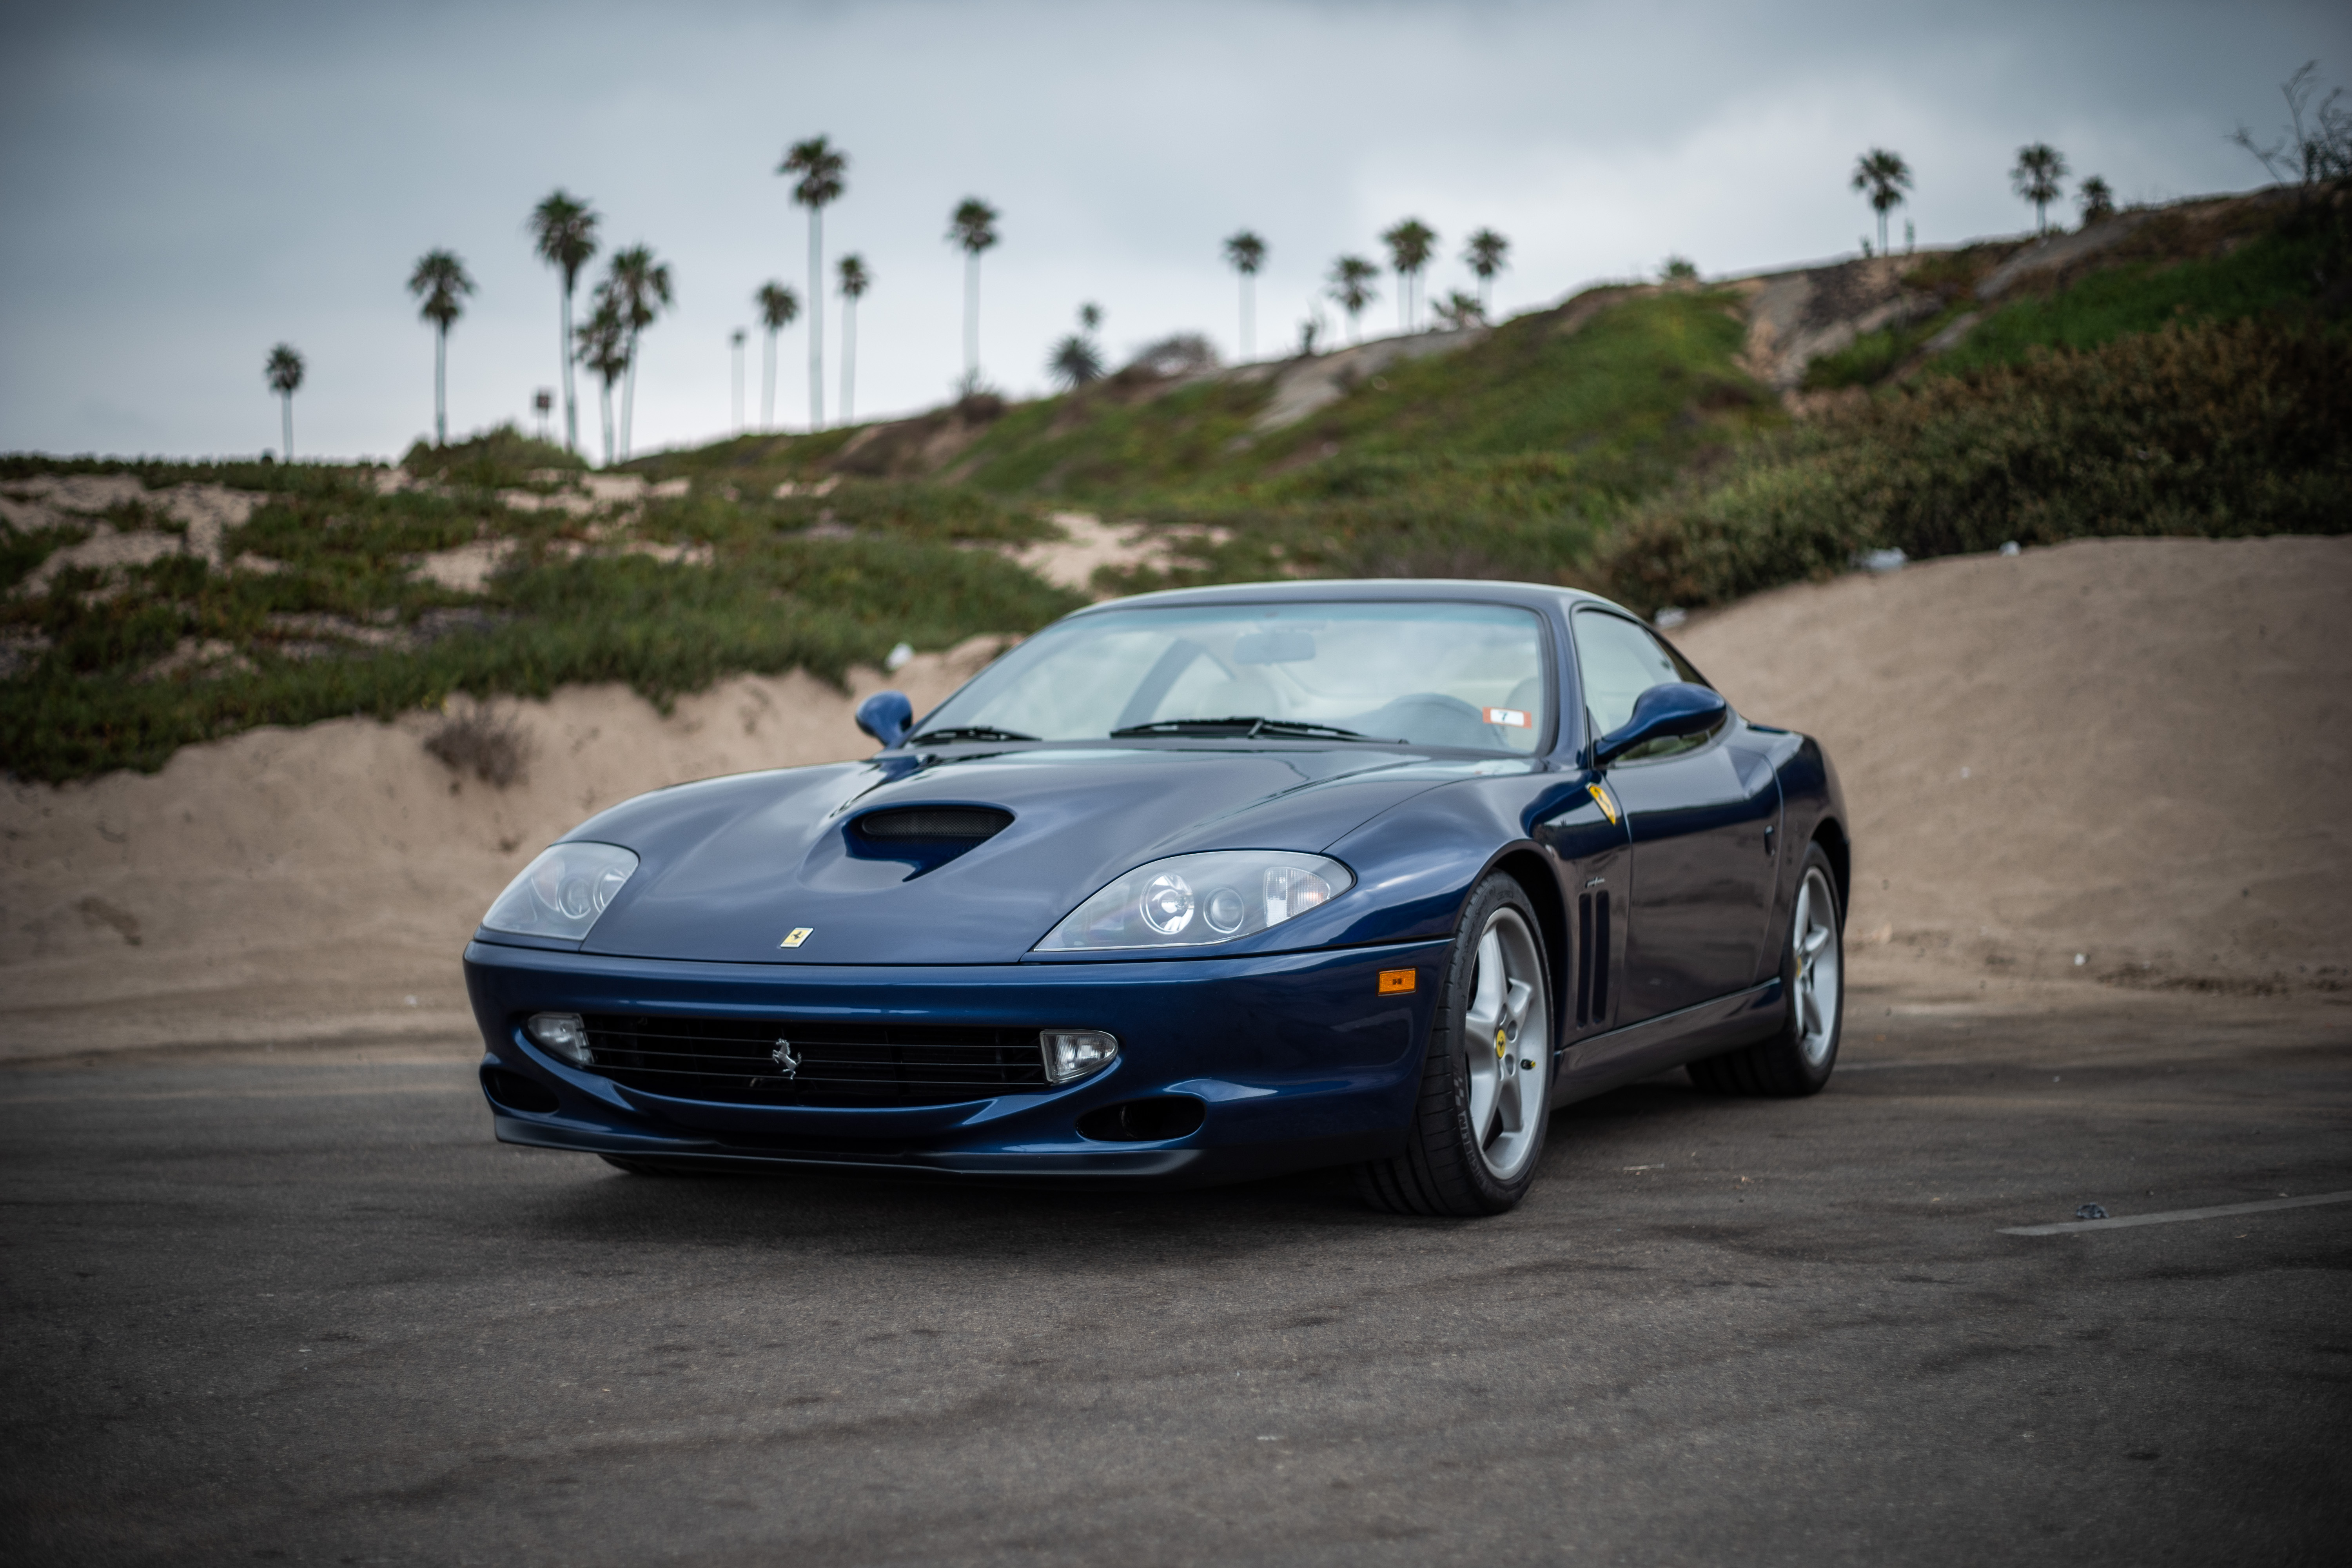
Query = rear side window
x=1619 y=661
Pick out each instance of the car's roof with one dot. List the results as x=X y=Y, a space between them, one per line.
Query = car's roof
x=1532 y=595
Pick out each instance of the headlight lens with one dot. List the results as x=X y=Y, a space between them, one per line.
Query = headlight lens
x=561 y=893
x=1191 y=901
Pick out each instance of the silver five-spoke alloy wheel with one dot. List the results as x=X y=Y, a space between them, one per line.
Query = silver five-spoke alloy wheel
x=1812 y=939
x=1506 y=1041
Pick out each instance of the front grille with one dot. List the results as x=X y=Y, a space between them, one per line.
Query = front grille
x=735 y=1061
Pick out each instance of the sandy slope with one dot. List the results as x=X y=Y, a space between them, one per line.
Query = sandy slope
x=2151 y=733
x=2134 y=750
x=299 y=883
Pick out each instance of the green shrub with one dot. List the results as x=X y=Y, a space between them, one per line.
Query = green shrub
x=2213 y=430
x=501 y=457
x=2270 y=273
x=771 y=606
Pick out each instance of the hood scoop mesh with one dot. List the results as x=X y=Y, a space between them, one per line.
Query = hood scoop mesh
x=960 y=826
x=923 y=837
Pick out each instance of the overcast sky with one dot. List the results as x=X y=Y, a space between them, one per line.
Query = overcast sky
x=186 y=185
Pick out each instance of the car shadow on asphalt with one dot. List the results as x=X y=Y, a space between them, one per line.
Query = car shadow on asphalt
x=933 y=1216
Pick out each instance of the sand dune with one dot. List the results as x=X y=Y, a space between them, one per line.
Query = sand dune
x=2128 y=749
x=320 y=882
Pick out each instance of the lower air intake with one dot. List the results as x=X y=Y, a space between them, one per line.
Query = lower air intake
x=1152 y=1120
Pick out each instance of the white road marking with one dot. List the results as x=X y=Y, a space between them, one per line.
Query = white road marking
x=2069 y=1226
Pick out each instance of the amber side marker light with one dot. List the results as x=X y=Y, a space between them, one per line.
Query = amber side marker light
x=1395 y=980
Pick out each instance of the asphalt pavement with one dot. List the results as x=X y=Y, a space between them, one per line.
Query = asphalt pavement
x=297 y=1306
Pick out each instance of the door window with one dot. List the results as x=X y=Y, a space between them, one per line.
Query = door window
x=1619 y=661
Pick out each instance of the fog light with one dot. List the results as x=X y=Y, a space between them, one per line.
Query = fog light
x=562 y=1035
x=1072 y=1054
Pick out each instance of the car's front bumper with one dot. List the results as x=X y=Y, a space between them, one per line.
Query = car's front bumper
x=1299 y=1060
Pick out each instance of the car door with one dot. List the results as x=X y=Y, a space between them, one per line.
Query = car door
x=1701 y=814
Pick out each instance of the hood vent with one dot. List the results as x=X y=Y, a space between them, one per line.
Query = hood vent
x=960 y=825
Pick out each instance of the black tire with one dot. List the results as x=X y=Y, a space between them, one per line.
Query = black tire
x=1447 y=1169
x=1798 y=1059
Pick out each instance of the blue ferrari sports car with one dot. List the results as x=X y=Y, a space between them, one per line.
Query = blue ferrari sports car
x=1190 y=887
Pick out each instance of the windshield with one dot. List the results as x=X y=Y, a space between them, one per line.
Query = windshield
x=1427 y=674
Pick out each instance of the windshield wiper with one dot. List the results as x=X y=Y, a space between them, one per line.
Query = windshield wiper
x=969 y=732
x=1245 y=725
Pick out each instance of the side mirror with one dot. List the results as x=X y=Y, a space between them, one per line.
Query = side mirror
x=886 y=716
x=1676 y=707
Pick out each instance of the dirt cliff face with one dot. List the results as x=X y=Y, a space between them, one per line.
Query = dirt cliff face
x=1795 y=318
x=1799 y=316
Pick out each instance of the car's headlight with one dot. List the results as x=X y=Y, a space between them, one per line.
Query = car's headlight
x=561 y=893
x=1190 y=900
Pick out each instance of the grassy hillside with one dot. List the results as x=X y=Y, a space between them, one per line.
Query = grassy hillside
x=1569 y=445
x=1509 y=458
x=2243 y=260
x=2195 y=378
x=316 y=605
x=2223 y=429
x=1630 y=391
x=2196 y=382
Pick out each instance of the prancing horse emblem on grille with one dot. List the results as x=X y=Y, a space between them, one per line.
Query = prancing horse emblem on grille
x=783 y=1055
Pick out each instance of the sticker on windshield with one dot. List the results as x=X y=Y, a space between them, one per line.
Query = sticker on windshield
x=1510 y=717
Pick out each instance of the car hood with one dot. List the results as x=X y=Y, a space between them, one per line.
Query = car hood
x=730 y=866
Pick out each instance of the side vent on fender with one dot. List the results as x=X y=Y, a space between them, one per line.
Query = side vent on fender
x=1591 y=959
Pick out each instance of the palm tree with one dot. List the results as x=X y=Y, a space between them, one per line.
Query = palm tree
x=971 y=226
x=735 y=364
x=778 y=307
x=2097 y=199
x=1484 y=256
x=1411 y=244
x=821 y=167
x=639 y=287
x=1886 y=177
x=440 y=281
x=2035 y=179
x=854 y=280
x=1074 y=362
x=1246 y=252
x=1351 y=286
x=603 y=347
x=563 y=233
x=284 y=373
